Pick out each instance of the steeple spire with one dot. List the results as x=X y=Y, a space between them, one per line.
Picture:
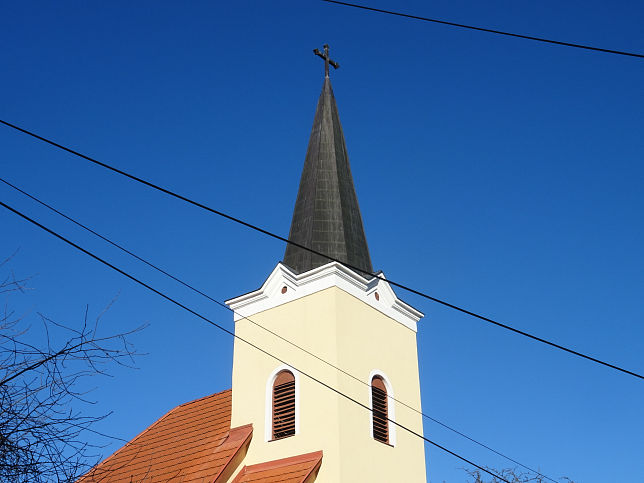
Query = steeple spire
x=327 y=217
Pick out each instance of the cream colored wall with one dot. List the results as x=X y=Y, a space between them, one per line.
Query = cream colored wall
x=350 y=334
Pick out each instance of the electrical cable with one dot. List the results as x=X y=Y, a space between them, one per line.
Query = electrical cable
x=483 y=29
x=241 y=339
x=221 y=304
x=285 y=240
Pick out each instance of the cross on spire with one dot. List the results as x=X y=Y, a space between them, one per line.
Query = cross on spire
x=327 y=59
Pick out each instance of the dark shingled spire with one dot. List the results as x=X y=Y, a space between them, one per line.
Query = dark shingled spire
x=327 y=217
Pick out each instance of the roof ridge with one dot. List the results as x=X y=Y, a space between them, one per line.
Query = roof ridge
x=199 y=399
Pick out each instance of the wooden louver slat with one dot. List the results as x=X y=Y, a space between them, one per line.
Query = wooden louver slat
x=284 y=405
x=380 y=410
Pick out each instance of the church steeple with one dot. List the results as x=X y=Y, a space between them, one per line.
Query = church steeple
x=327 y=217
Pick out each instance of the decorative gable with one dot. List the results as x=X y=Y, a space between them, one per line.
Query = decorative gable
x=283 y=286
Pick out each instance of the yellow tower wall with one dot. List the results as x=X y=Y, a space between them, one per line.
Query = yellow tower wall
x=347 y=332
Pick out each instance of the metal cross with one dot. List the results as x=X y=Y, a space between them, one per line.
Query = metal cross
x=327 y=59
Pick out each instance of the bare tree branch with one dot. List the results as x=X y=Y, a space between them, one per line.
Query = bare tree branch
x=42 y=393
x=511 y=475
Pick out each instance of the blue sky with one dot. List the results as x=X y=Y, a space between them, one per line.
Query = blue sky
x=499 y=174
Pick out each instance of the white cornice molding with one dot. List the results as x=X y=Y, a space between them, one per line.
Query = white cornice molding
x=375 y=292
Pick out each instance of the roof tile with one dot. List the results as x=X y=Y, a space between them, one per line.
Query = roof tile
x=193 y=442
x=296 y=469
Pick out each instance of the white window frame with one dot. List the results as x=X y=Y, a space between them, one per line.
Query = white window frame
x=391 y=407
x=268 y=422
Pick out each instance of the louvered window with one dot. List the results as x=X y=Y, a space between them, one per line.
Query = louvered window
x=380 y=410
x=284 y=405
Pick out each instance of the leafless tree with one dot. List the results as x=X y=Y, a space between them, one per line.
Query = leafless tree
x=509 y=474
x=42 y=396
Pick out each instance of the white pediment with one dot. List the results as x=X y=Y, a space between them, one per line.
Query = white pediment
x=283 y=286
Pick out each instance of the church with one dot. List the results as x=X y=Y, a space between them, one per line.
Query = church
x=325 y=383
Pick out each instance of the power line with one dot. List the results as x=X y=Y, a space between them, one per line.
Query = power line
x=185 y=284
x=285 y=240
x=232 y=334
x=483 y=29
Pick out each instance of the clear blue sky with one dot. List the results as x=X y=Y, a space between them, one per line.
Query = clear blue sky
x=499 y=174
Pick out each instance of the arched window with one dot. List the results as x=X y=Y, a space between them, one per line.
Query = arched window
x=380 y=408
x=283 y=418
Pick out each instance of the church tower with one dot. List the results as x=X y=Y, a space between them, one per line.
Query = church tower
x=325 y=366
x=337 y=372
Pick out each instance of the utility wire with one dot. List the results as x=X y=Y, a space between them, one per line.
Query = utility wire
x=185 y=284
x=241 y=339
x=483 y=29
x=285 y=240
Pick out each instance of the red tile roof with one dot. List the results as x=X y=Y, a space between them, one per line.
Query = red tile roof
x=193 y=442
x=297 y=469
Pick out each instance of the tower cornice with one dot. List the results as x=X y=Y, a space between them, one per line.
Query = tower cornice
x=284 y=285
